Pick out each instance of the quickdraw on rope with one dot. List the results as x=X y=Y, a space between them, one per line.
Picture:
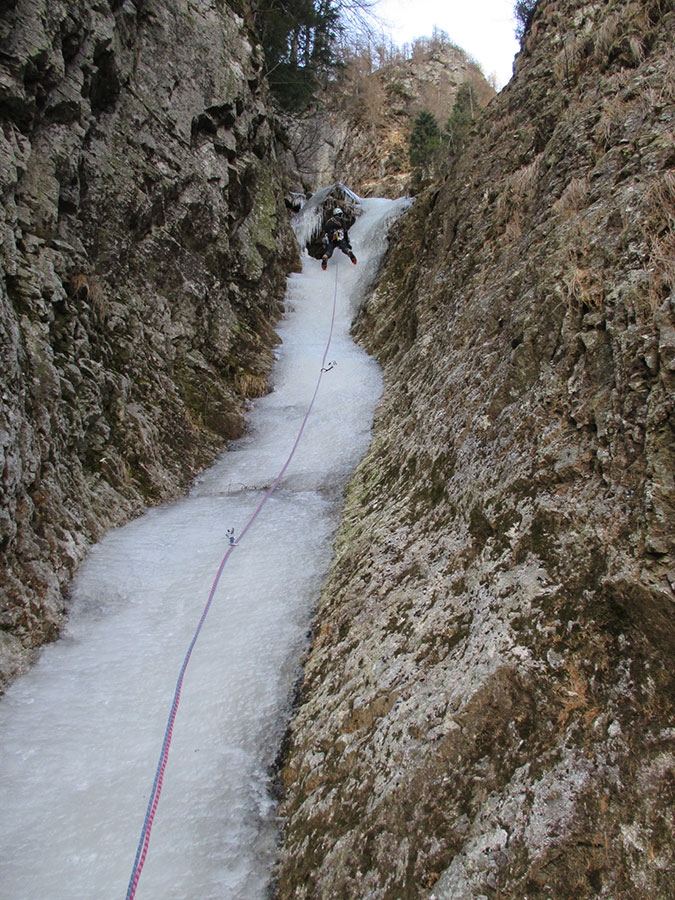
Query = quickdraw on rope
x=144 y=841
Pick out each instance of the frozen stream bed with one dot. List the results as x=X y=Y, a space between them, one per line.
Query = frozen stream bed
x=81 y=733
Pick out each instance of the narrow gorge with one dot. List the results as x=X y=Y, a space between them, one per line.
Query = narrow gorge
x=486 y=708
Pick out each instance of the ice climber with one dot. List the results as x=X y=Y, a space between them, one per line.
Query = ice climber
x=336 y=235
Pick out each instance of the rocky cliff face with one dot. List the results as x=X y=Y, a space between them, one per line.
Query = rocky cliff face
x=487 y=707
x=143 y=251
x=358 y=132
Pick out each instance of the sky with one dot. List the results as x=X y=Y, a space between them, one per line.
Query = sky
x=484 y=28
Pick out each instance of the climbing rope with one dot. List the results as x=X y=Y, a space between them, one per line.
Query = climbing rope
x=153 y=802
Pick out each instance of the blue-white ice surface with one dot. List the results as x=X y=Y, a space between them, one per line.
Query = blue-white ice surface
x=81 y=733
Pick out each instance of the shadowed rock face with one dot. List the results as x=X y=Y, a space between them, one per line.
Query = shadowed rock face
x=143 y=252
x=487 y=706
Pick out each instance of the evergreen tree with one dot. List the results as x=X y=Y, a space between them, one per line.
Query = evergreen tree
x=463 y=113
x=299 y=38
x=424 y=140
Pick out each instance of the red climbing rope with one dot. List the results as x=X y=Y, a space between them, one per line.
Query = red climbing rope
x=144 y=840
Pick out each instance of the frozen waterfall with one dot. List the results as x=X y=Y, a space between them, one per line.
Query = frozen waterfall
x=81 y=733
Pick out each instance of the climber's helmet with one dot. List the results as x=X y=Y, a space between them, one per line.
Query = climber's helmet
x=337 y=211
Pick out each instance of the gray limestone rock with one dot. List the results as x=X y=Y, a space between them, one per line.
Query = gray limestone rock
x=144 y=246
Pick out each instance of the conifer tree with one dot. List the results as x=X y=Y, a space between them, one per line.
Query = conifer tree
x=463 y=114
x=425 y=140
x=300 y=39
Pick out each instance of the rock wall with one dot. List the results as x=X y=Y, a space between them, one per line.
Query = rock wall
x=487 y=706
x=143 y=253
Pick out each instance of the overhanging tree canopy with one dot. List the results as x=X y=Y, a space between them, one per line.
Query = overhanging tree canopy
x=300 y=40
x=303 y=41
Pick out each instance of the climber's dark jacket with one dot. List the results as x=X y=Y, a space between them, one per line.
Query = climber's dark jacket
x=336 y=235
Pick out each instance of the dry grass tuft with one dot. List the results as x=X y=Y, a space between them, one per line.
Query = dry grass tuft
x=571 y=61
x=611 y=121
x=605 y=37
x=583 y=284
x=249 y=385
x=577 y=282
x=621 y=35
x=87 y=290
x=574 y=696
x=636 y=48
x=523 y=182
x=518 y=189
x=658 y=228
x=573 y=199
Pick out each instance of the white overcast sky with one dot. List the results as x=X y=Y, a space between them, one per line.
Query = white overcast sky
x=484 y=28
